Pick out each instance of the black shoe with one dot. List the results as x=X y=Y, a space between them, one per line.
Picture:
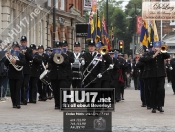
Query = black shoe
x=18 y=106
x=57 y=108
x=34 y=102
x=123 y=99
x=40 y=99
x=44 y=99
x=148 y=107
x=143 y=105
x=14 y=106
x=160 y=109
x=117 y=100
x=153 y=110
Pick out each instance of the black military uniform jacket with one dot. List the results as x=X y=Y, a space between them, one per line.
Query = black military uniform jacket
x=140 y=66
x=12 y=72
x=135 y=69
x=28 y=58
x=156 y=65
x=58 y=71
x=167 y=66
x=107 y=60
x=129 y=68
x=100 y=67
x=37 y=60
x=45 y=58
x=172 y=63
x=114 y=71
x=68 y=67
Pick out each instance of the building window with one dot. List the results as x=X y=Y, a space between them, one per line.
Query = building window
x=62 y=5
x=49 y=3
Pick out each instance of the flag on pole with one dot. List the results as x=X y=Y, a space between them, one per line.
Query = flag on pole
x=112 y=37
x=144 y=34
x=98 y=29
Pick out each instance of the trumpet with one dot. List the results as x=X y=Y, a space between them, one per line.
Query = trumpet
x=12 y=57
x=164 y=48
x=58 y=58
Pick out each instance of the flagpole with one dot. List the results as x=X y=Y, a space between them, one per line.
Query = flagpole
x=107 y=15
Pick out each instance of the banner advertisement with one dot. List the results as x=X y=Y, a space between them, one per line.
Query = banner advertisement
x=81 y=30
x=158 y=10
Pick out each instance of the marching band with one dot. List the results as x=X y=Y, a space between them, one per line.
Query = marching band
x=33 y=70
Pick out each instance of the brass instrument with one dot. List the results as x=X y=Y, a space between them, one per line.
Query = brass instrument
x=58 y=58
x=164 y=48
x=103 y=50
x=12 y=57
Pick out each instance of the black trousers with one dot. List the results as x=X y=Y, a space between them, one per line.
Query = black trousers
x=157 y=91
x=33 y=89
x=48 y=91
x=168 y=76
x=136 y=80
x=147 y=92
x=42 y=89
x=76 y=83
x=142 y=91
x=15 y=86
x=25 y=88
x=56 y=85
x=173 y=82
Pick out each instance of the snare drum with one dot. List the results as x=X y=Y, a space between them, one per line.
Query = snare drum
x=44 y=77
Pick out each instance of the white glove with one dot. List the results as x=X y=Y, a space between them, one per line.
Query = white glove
x=99 y=75
x=83 y=62
x=111 y=66
x=171 y=68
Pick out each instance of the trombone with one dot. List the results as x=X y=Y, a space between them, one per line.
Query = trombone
x=164 y=48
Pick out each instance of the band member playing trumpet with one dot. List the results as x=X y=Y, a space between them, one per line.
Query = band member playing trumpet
x=15 y=76
x=58 y=63
x=26 y=70
x=35 y=73
x=71 y=60
x=156 y=75
x=41 y=86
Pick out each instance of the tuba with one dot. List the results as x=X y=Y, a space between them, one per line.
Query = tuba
x=13 y=57
x=164 y=48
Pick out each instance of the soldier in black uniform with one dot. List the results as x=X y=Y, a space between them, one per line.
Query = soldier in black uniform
x=168 y=71
x=92 y=68
x=135 y=72
x=156 y=75
x=48 y=90
x=15 y=77
x=58 y=74
x=76 y=67
x=26 y=70
x=172 y=68
x=114 y=75
x=35 y=73
x=41 y=86
x=71 y=60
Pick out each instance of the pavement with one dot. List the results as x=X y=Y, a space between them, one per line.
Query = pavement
x=129 y=116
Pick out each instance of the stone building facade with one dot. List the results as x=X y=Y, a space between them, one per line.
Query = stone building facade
x=24 y=17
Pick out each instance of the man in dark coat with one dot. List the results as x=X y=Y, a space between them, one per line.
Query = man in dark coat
x=15 y=76
x=58 y=73
x=26 y=70
x=35 y=73
x=156 y=75
x=71 y=60
x=43 y=66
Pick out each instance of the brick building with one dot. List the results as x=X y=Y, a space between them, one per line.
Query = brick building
x=24 y=17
